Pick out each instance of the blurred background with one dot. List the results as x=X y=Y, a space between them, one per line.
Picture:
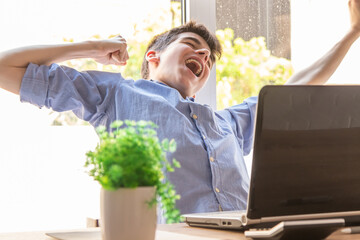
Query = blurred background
x=42 y=153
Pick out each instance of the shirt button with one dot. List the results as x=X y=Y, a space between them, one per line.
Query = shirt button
x=212 y=159
x=217 y=190
x=195 y=116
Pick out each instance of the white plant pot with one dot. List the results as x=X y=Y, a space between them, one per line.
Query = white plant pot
x=126 y=215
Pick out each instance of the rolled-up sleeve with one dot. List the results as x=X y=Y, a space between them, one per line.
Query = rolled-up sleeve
x=34 y=85
x=87 y=94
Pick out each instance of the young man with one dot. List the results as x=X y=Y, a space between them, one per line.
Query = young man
x=210 y=145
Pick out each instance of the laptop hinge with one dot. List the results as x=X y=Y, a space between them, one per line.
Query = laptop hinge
x=309 y=216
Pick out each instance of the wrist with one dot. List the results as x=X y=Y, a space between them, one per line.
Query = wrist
x=91 y=48
x=355 y=32
x=85 y=49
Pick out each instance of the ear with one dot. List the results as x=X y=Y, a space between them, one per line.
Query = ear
x=152 y=57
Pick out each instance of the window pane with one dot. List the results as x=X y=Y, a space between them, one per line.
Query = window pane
x=256 y=41
x=293 y=34
x=249 y=18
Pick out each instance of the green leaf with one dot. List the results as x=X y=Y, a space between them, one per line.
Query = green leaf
x=101 y=129
x=165 y=144
x=176 y=163
x=172 y=146
x=169 y=168
x=116 y=124
x=142 y=123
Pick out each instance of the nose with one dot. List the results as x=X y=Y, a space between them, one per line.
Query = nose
x=204 y=54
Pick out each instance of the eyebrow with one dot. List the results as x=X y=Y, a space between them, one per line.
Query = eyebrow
x=192 y=39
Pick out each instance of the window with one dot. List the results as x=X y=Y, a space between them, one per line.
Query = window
x=297 y=31
x=248 y=19
x=256 y=41
x=41 y=165
x=315 y=29
x=294 y=34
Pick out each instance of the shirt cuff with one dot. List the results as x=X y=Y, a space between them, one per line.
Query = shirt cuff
x=34 y=85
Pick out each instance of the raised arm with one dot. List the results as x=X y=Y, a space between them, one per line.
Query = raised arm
x=320 y=71
x=13 y=63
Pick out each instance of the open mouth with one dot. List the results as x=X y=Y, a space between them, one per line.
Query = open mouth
x=195 y=66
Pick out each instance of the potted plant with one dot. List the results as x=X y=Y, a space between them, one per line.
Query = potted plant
x=129 y=163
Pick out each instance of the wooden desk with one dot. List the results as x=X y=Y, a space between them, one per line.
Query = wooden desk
x=169 y=232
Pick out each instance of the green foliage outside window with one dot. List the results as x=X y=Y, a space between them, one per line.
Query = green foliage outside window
x=245 y=67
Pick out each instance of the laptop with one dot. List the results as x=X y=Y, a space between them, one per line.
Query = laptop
x=306 y=159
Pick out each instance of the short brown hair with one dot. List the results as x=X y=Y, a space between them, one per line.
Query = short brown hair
x=161 y=41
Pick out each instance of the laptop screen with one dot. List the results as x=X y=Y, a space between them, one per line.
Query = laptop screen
x=306 y=152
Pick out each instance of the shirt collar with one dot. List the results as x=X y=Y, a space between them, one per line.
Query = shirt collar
x=158 y=82
x=191 y=99
x=187 y=98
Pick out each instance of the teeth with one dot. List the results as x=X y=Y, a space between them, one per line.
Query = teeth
x=197 y=63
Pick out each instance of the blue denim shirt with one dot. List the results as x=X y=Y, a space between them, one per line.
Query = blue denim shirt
x=210 y=144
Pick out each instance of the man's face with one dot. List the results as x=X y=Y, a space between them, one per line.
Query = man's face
x=185 y=64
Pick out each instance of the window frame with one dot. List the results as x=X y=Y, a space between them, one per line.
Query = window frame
x=203 y=11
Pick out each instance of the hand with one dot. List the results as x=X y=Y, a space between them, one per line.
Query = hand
x=111 y=51
x=354 y=9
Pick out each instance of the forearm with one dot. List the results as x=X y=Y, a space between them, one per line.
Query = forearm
x=13 y=63
x=320 y=71
x=45 y=54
